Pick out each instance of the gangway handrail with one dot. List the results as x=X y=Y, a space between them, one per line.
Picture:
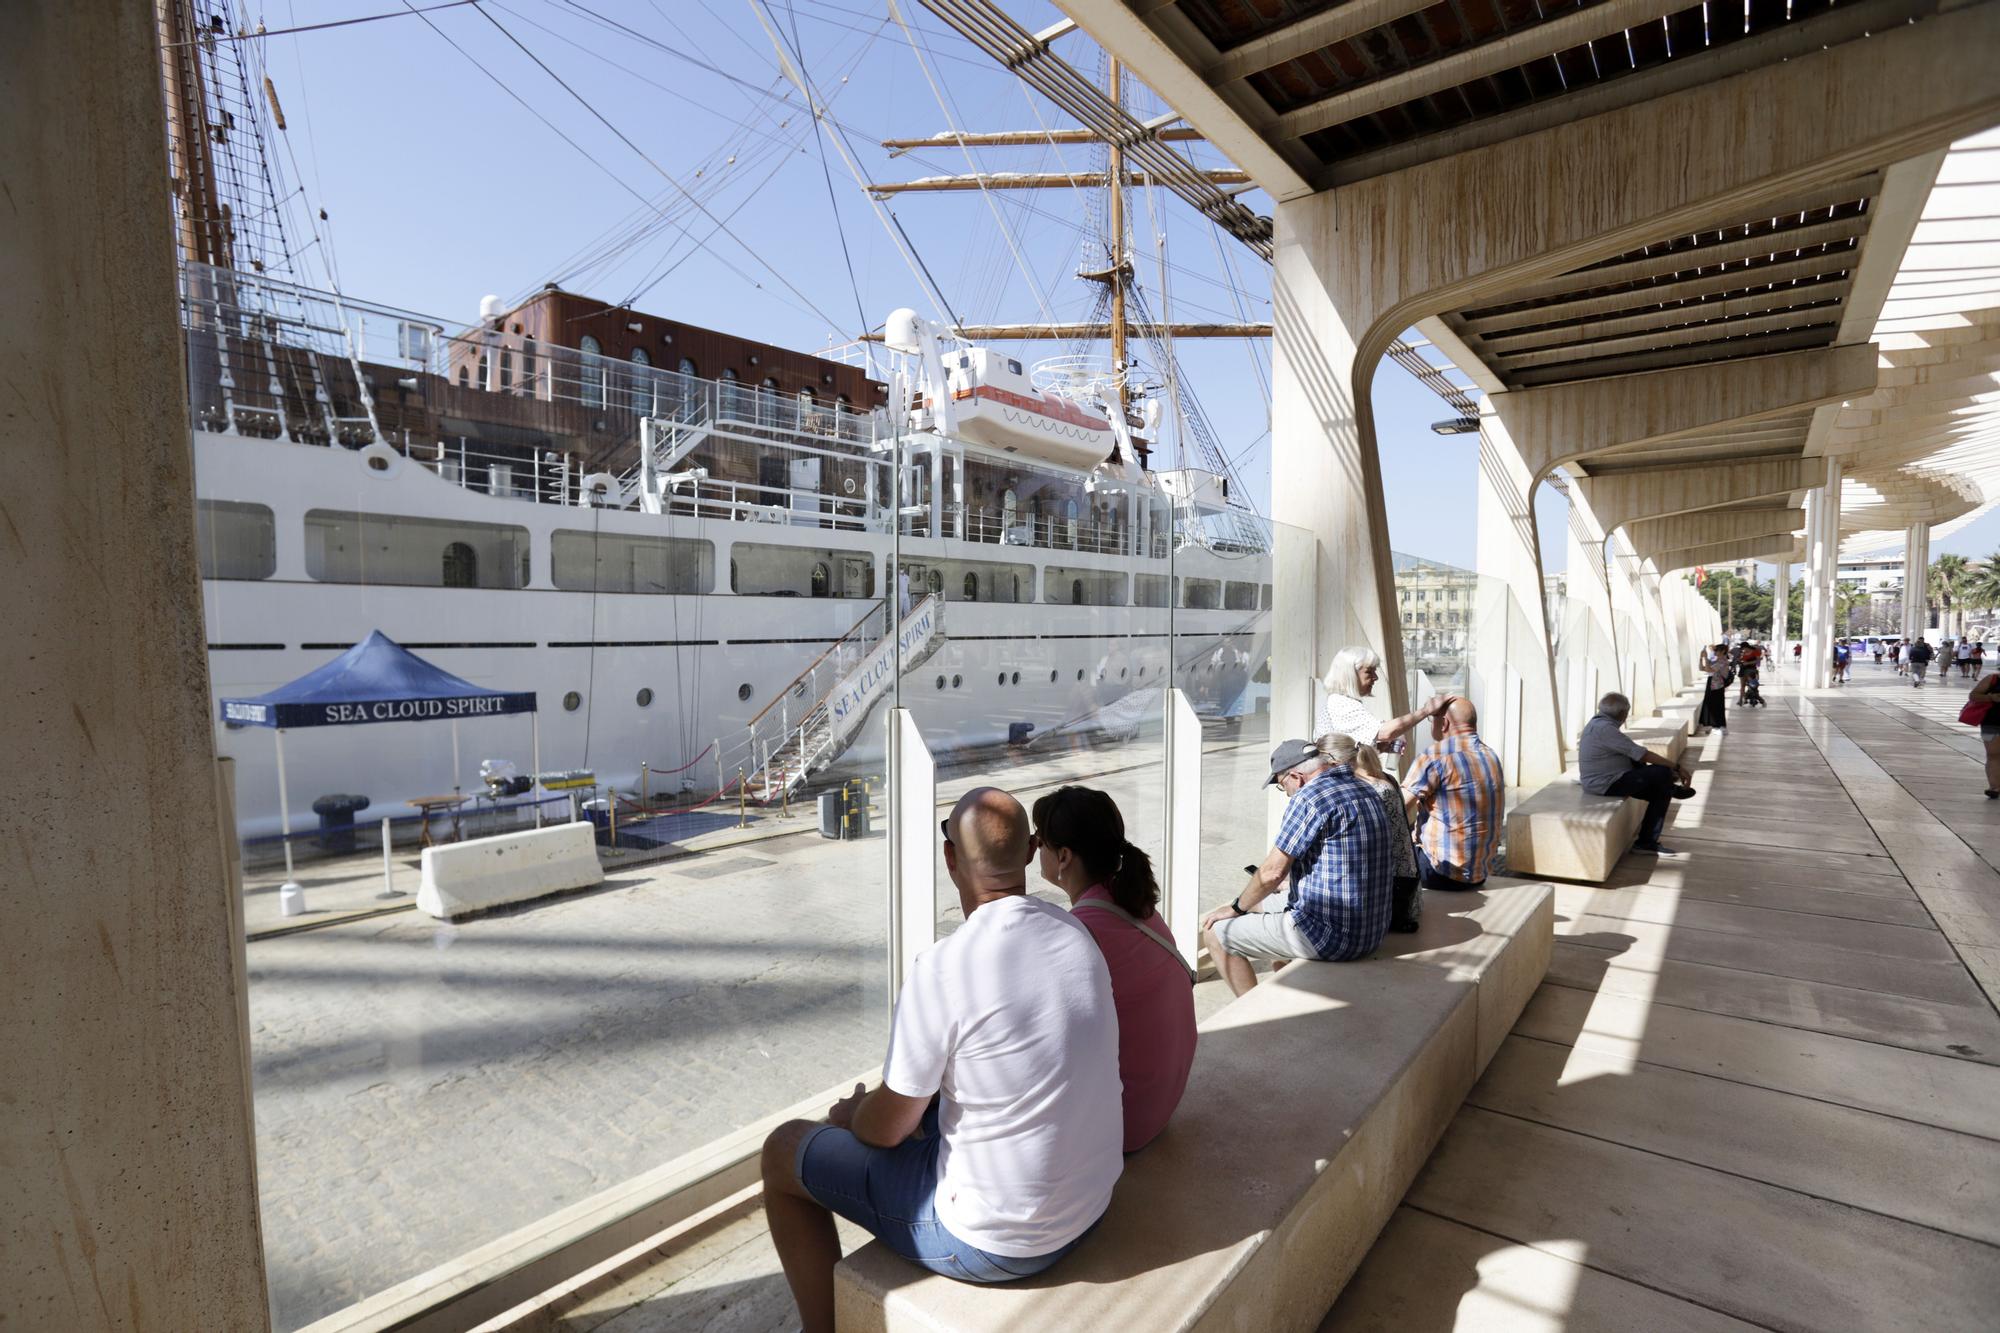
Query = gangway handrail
x=878 y=603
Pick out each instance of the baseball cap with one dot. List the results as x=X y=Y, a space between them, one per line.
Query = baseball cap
x=1288 y=756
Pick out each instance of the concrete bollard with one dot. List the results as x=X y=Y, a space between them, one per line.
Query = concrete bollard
x=291 y=900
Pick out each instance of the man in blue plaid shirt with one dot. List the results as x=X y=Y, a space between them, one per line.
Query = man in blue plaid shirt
x=1333 y=849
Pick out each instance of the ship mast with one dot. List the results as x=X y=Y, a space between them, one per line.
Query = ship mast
x=201 y=222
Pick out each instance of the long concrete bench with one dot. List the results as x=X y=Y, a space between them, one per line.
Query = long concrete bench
x=1565 y=832
x=465 y=878
x=1314 y=1101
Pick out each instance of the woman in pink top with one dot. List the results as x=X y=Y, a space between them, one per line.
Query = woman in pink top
x=1112 y=891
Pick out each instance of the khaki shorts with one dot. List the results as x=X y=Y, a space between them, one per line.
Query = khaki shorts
x=1269 y=935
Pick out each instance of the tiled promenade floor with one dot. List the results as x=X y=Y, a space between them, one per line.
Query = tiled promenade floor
x=1761 y=1085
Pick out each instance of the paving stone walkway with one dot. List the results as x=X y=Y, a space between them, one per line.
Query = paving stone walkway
x=1761 y=1085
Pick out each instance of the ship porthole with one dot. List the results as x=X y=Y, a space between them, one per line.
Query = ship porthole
x=1003 y=679
x=1052 y=677
x=940 y=682
x=1017 y=678
x=1079 y=673
x=645 y=698
x=957 y=681
x=1121 y=673
x=572 y=701
x=743 y=691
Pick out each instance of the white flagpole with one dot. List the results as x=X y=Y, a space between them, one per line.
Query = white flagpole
x=535 y=778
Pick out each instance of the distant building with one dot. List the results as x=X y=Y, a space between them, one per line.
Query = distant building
x=1436 y=603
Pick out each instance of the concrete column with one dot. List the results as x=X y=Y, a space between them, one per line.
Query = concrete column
x=1590 y=653
x=1514 y=674
x=1822 y=564
x=1781 y=596
x=1916 y=580
x=131 y=1198
x=1323 y=448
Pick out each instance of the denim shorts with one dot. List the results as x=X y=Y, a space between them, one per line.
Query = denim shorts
x=892 y=1193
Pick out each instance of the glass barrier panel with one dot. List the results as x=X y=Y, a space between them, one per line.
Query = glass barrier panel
x=703 y=658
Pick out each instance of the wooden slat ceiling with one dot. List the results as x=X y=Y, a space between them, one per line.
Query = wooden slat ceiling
x=1365 y=85
x=1774 y=282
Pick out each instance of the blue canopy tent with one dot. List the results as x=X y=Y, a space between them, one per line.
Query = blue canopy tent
x=377 y=680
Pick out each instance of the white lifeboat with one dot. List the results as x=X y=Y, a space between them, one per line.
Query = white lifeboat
x=996 y=404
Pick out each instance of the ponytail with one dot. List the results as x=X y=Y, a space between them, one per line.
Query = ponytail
x=1086 y=821
x=1132 y=884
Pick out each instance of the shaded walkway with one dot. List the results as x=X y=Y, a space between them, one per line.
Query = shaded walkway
x=1761 y=1085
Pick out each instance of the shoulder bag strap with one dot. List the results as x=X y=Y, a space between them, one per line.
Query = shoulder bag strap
x=1155 y=936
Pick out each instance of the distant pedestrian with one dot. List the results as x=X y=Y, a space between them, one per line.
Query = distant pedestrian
x=1920 y=662
x=1715 y=664
x=1896 y=658
x=1964 y=659
x=1749 y=665
x=1798 y=650
x=1841 y=656
x=1878 y=652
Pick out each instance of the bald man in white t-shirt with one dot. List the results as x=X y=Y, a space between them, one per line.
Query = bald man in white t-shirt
x=998 y=1132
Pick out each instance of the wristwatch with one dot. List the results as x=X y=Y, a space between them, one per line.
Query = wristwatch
x=1237 y=906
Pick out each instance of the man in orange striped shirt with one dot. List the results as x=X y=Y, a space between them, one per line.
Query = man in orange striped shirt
x=1457 y=790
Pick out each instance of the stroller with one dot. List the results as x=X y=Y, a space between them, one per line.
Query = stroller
x=1753 y=694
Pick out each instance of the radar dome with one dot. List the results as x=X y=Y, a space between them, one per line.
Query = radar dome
x=903 y=331
x=490 y=307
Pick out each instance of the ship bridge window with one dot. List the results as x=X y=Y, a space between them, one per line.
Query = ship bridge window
x=615 y=562
x=1201 y=594
x=1239 y=597
x=1083 y=587
x=394 y=549
x=235 y=540
x=1014 y=366
x=975 y=580
x=590 y=391
x=757 y=569
x=689 y=368
x=461 y=566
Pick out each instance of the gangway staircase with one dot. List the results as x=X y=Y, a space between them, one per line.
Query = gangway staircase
x=853 y=676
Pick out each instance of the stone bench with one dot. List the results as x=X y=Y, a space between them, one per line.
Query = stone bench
x=465 y=878
x=1565 y=832
x=1664 y=736
x=1313 y=1102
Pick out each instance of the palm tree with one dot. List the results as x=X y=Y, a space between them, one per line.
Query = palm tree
x=1948 y=576
x=1982 y=590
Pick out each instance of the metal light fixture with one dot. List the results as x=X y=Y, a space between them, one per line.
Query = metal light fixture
x=1456 y=426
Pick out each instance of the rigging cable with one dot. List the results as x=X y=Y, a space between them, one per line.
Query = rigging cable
x=664 y=174
x=951 y=123
x=832 y=203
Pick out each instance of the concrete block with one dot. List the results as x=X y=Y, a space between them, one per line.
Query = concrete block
x=1349 y=1071
x=1565 y=832
x=1665 y=736
x=465 y=878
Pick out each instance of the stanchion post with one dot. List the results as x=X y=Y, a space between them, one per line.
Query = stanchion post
x=388 y=864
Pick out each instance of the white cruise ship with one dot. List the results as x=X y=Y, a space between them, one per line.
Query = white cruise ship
x=707 y=603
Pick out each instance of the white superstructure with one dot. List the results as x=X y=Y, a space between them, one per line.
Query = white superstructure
x=710 y=629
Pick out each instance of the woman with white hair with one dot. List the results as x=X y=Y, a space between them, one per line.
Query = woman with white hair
x=1348 y=681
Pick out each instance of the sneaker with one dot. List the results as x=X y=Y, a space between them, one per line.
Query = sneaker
x=1681 y=793
x=1653 y=849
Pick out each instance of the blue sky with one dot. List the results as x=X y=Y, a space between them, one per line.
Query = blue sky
x=708 y=198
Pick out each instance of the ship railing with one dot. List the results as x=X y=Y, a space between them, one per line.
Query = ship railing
x=223 y=308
